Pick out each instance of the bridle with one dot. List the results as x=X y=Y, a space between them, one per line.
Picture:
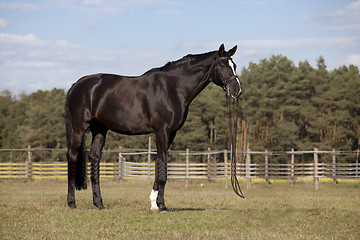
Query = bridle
x=233 y=118
x=225 y=85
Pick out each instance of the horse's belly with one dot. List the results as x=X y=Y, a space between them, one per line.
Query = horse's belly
x=130 y=129
x=125 y=122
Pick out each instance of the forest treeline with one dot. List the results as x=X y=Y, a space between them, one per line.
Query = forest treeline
x=283 y=106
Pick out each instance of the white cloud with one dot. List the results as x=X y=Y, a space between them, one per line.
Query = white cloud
x=92 y=2
x=296 y=43
x=96 y=7
x=353 y=26
x=350 y=11
x=91 y=24
x=250 y=53
x=353 y=59
x=168 y=12
x=7 y=38
x=29 y=63
x=344 y=19
x=253 y=47
x=143 y=2
x=4 y=22
x=11 y=5
x=253 y=2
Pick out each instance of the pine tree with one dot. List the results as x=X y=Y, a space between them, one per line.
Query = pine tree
x=352 y=97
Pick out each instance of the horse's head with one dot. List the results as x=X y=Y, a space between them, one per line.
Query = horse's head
x=225 y=72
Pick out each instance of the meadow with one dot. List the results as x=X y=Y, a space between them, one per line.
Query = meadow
x=206 y=210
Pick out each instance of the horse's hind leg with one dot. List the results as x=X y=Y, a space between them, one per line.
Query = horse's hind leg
x=98 y=141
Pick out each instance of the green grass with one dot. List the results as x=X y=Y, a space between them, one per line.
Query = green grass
x=38 y=210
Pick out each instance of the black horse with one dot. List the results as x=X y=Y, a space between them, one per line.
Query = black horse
x=157 y=101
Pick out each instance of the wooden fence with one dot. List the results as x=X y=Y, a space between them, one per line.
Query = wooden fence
x=216 y=165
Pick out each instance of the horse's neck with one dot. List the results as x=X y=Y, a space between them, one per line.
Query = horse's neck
x=197 y=81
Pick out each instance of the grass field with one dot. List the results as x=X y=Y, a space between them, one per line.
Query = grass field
x=38 y=210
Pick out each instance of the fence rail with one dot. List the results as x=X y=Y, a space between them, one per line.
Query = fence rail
x=248 y=171
x=126 y=169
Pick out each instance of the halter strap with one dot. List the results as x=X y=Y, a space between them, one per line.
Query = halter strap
x=217 y=71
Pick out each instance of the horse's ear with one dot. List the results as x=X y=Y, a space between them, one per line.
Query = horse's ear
x=232 y=51
x=221 y=50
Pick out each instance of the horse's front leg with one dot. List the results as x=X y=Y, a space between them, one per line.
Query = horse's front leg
x=162 y=177
x=94 y=156
x=157 y=193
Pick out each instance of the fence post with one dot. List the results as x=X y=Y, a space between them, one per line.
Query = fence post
x=266 y=168
x=248 y=161
x=120 y=165
x=225 y=168
x=357 y=163
x=115 y=171
x=149 y=161
x=334 y=166
x=316 y=165
x=208 y=164
x=28 y=164
x=292 y=166
x=187 y=169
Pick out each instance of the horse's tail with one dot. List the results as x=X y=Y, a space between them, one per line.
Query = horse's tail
x=80 y=178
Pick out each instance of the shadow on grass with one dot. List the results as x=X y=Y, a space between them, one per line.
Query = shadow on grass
x=187 y=209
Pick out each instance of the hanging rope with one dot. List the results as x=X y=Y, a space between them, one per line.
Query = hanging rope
x=231 y=104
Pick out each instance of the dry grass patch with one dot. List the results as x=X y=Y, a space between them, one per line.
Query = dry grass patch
x=38 y=210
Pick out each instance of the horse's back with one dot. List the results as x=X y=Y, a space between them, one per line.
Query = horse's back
x=119 y=103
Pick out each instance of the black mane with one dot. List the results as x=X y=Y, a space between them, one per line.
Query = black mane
x=186 y=60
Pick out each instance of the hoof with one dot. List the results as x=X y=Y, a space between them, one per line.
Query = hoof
x=71 y=202
x=99 y=205
x=72 y=205
x=154 y=208
x=163 y=209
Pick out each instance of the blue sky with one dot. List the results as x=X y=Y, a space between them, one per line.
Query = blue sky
x=46 y=44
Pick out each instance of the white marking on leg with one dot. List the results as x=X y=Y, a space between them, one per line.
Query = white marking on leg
x=153 y=197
